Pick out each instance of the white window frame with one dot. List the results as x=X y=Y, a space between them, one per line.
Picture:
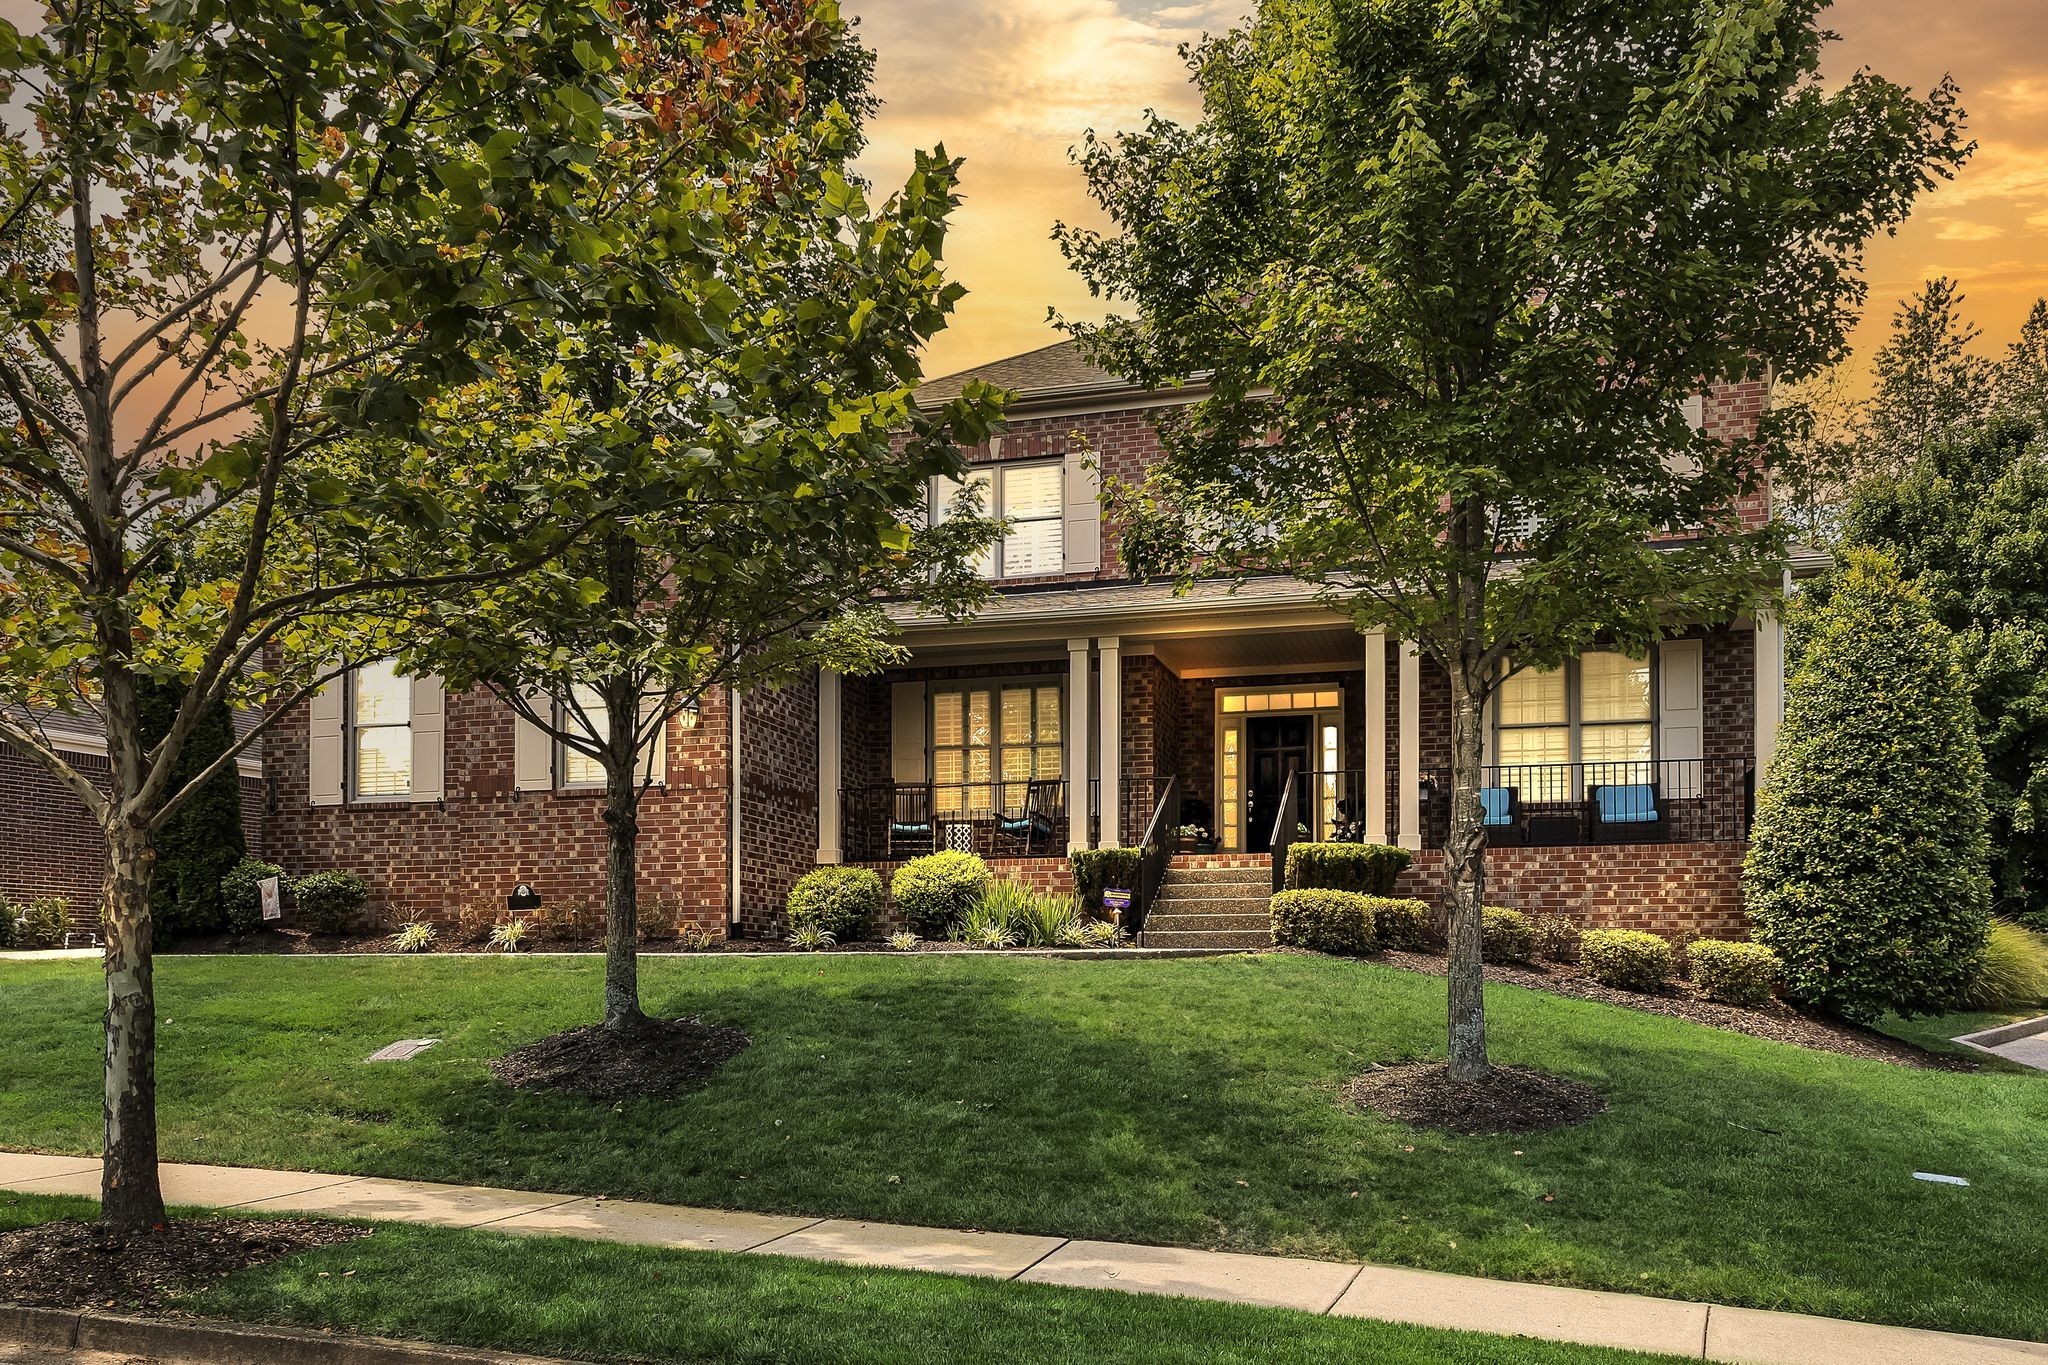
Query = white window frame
x=995 y=687
x=351 y=730
x=1326 y=733
x=995 y=567
x=565 y=719
x=1575 y=724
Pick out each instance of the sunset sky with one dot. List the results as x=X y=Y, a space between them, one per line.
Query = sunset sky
x=1011 y=86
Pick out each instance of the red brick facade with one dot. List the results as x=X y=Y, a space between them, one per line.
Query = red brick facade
x=1677 y=890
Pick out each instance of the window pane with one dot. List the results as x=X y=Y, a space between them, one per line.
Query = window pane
x=1614 y=687
x=1031 y=491
x=1016 y=768
x=1016 y=715
x=1614 y=744
x=1032 y=548
x=1550 y=744
x=1232 y=705
x=384 y=761
x=1325 y=700
x=1533 y=697
x=1048 y=715
x=948 y=767
x=978 y=731
x=1048 y=761
x=977 y=765
x=382 y=697
x=946 y=718
x=580 y=770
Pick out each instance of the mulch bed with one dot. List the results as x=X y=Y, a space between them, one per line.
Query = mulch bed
x=1777 y=1021
x=1509 y=1099
x=73 y=1264
x=665 y=1058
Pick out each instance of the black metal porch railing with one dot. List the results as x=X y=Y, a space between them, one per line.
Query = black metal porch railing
x=1286 y=827
x=1155 y=853
x=1632 y=801
x=887 y=821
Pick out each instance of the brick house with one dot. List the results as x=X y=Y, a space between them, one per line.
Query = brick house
x=1062 y=717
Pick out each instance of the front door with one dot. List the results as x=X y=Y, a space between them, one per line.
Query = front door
x=1276 y=745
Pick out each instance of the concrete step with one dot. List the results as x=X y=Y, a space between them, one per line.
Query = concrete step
x=1208 y=938
x=1161 y=922
x=1261 y=875
x=1170 y=904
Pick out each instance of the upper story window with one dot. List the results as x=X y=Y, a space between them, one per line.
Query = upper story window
x=1596 y=709
x=1029 y=497
x=380 y=731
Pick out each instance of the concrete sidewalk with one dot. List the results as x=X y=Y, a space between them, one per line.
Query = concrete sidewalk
x=1425 y=1298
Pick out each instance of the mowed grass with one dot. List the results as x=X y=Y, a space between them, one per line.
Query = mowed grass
x=1187 y=1102
x=597 y=1301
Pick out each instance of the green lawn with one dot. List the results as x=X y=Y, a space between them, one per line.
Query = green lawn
x=1191 y=1102
x=1938 y=1032
x=598 y=1301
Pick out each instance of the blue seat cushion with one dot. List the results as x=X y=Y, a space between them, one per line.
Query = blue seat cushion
x=1496 y=806
x=898 y=827
x=1632 y=804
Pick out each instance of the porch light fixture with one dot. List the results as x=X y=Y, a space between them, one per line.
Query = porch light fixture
x=690 y=716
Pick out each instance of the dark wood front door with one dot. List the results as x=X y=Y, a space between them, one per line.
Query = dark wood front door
x=1277 y=745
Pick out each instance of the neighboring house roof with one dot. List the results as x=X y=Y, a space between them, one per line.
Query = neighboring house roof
x=1047 y=372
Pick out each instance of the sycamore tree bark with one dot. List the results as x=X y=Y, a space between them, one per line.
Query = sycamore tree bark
x=1465 y=845
x=622 y=795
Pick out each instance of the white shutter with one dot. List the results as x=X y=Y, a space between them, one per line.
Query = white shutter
x=906 y=732
x=653 y=765
x=429 y=739
x=1681 y=733
x=1695 y=410
x=1082 y=533
x=324 y=730
x=533 y=750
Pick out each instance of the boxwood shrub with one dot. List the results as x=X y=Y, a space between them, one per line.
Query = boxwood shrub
x=1369 y=869
x=1506 y=935
x=241 y=894
x=1403 y=924
x=1626 y=959
x=1733 y=973
x=1097 y=868
x=1557 y=938
x=841 y=901
x=331 y=900
x=935 y=892
x=1327 y=921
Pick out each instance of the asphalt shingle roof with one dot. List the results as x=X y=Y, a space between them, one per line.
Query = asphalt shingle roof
x=1049 y=369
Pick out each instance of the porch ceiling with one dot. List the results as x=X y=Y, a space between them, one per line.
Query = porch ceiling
x=1307 y=647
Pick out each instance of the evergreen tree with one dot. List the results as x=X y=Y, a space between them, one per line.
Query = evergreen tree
x=1866 y=870
x=202 y=840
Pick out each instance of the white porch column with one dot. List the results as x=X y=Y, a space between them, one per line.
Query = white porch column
x=1111 y=727
x=1770 y=688
x=1376 y=737
x=1077 y=744
x=1411 y=746
x=830 y=714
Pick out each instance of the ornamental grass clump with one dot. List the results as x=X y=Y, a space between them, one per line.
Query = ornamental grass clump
x=1867 y=867
x=1369 y=869
x=1506 y=935
x=934 y=893
x=840 y=901
x=1744 y=974
x=2012 y=973
x=1327 y=921
x=1626 y=959
x=997 y=918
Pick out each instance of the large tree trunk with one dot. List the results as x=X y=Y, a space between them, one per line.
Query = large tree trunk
x=1465 y=869
x=621 y=897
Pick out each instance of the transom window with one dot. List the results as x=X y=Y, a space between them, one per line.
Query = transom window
x=1029 y=497
x=1282 y=699
x=989 y=733
x=1597 y=709
x=380 y=731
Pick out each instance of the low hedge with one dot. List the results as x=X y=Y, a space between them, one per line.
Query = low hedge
x=44 y=922
x=935 y=892
x=1369 y=869
x=1734 y=973
x=332 y=901
x=1327 y=921
x=1557 y=938
x=1403 y=924
x=1626 y=959
x=241 y=894
x=842 y=901
x=1505 y=935
x=1098 y=868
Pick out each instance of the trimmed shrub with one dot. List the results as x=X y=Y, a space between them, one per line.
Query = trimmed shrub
x=332 y=901
x=840 y=901
x=1626 y=959
x=241 y=898
x=44 y=922
x=1325 y=920
x=1867 y=865
x=2013 y=971
x=1505 y=935
x=203 y=841
x=8 y=913
x=1403 y=924
x=1557 y=938
x=1097 y=868
x=935 y=892
x=1369 y=869
x=1734 y=973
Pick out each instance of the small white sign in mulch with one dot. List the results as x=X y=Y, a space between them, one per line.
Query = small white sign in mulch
x=404 y=1050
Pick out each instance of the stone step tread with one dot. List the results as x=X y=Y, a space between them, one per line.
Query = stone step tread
x=1208 y=938
x=1219 y=874
x=1212 y=905
x=1166 y=924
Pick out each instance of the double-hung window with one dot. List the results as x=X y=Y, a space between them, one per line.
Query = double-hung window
x=1596 y=711
x=1029 y=497
x=380 y=731
x=580 y=769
